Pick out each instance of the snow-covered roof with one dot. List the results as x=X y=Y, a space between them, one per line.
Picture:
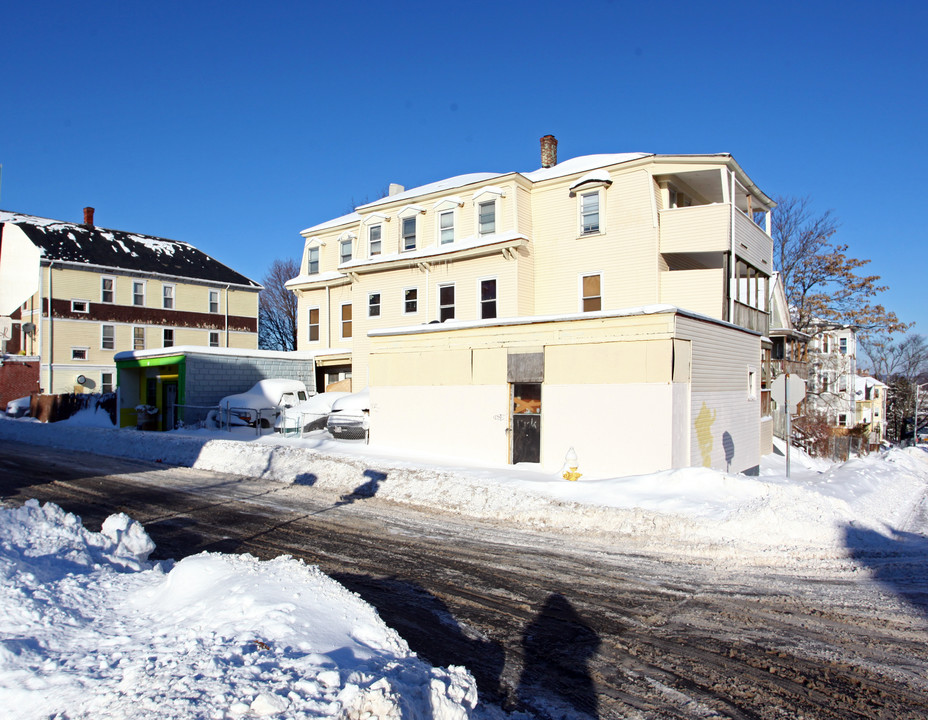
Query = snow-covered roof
x=119 y=250
x=439 y=186
x=334 y=222
x=584 y=163
x=862 y=382
x=203 y=350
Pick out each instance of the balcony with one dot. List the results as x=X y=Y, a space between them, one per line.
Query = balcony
x=707 y=229
x=751 y=318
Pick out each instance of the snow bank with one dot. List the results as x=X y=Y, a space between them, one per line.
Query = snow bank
x=89 y=629
x=697 y=511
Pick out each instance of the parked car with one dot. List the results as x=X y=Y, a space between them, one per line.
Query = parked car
x=262 y=404
x=350 y=416
x=311 y=414
x=19 y=407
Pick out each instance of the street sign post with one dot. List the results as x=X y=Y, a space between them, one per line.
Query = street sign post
x=788 y=391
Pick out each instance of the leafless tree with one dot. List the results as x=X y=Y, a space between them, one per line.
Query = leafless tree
x=277 y=321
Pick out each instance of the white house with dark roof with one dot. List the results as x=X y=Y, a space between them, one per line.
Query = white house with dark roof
x=73 y=295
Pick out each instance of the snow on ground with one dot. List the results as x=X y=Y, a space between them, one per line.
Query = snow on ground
x=90 y=628
x=696 y=511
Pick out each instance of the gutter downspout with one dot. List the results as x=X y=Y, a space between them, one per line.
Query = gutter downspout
x=227 y=316
x=328 y=315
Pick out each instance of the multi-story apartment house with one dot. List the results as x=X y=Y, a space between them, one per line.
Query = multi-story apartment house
x=596 y=252
x=833 y=370
x=76 y=294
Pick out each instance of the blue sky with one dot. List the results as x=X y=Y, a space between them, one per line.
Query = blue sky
x=233 y=126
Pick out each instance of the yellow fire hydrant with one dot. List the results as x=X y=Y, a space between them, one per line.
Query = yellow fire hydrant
x=571 y=463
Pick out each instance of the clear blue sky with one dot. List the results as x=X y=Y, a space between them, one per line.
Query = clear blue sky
x=234 y=126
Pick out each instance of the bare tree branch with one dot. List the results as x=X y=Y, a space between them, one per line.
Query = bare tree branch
x=278 y=308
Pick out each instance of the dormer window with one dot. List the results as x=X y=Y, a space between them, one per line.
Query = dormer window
x=486 y=217
x=373 y=239
x=407 y=218
x=446 y=227
x=344 y=252
x=589 y=212
x=312 y=261
x=409 y=234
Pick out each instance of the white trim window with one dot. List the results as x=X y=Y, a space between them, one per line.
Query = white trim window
x=408 y=233
x=487 y=289
x=107 y=289
x=344 y=252
x=374 y=240
x=346 y=321
x=214 y=338
x=79 y=353
x=312 y=261
x=373 y=304
x=80 y=306
x=167 y=296
x=591 y=292
x=446 y=227
x=752 y=382
x=167 y=337
x=589 y=213
x=138 y=293
x=486 y=218
x=312 y=327
x=410 y=301
x=214 y=301
x=107 y=337
x=138 y=338
x=106 y=382
x=446 y=302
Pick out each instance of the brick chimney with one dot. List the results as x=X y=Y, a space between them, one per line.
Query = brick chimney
x=88 y=216
x=548 y=151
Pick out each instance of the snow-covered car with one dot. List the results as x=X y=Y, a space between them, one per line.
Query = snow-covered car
x=350 y=416
x=311 y=414
x=18 y=407
x=262 y=404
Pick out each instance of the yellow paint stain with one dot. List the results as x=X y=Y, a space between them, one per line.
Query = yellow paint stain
x=704 y=421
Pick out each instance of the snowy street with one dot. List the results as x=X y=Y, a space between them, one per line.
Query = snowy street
x=560 y=621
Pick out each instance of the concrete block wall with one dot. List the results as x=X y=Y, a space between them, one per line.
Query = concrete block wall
x=19 y=377
x=209 y=379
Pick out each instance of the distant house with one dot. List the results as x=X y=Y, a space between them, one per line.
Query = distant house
x=617 y=304
x=833 y=372
x=75 y=294
x=870 y=413
x=789 y=349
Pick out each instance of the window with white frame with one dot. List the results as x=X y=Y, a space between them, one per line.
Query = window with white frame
x=167 y=295
x=138 y=338
x=107 y=289
x=214 y=338
x=842 y=346
x=168 y=338
x=445 y=302
x=79 y=353
x=486 y=217
x=107 y=337
x=138 y=293
x=373 y=304
x=312 y=261
x=446 y=227
x=346 y=321
x=344 y=252
x=591 y=299
x=106 y=382
x=373 y=239
x=80 y=306
x=488 y=298
x=589 y=212
x=313 y=327
x=752 y=383
x=408 y=232
x=214 y=301
x=410 y=301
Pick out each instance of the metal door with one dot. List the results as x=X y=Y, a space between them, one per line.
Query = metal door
x=169 y=390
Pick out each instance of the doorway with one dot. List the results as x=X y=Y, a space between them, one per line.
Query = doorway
x=526 y=422
x=169 y=405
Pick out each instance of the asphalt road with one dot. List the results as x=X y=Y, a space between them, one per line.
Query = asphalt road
x=546 y=623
